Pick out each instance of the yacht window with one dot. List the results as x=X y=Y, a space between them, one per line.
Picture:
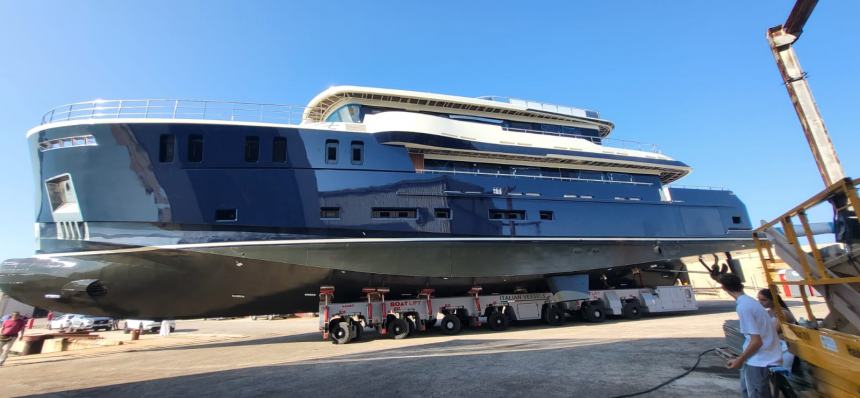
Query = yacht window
x=546 y=215
x=526 y=171
x=499 y=214
x=736 y=219
x=550 y=172
x=279 y=150
x=394 y=212
x=252 y=149
x=620 y=177
x=331 y=151
x=551 y=128
x=166 y=145
x=350 y=113
x=568 y=173
x=330 y=213
x=357 y=152
x=520 y=126
x=195 y=148
x=445 y=213
x=476 y=119
x=591 y=175
x=225 y=215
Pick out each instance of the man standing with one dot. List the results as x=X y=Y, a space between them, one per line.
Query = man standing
x=761 y=343
x=12 y=328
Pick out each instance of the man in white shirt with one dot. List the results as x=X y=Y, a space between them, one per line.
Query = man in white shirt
x=761 y=343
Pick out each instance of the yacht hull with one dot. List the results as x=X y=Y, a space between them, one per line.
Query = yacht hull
x=232 y=279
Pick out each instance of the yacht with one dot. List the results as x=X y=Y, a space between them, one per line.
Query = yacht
x=176 y=209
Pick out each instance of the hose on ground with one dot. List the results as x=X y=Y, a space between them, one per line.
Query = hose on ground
x=663 y=384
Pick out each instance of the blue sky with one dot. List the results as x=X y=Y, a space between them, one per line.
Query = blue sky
x=694 y=77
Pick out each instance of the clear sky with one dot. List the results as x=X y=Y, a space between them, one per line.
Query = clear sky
x=694 y=77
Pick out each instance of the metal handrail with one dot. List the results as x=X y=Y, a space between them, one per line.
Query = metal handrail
x=159 y=108
x=176 y=109
x=608 y=142
x=530 y=176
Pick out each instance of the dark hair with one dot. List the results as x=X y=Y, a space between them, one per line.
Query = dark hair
x=731 y=282
x=766 y=293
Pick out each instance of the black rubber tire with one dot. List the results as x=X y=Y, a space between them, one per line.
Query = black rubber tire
x=464 y=318
x=357 y=330
x=511 y=315
x=631 y=310
x=451 y=324
x=398 y=328
x=340 y=333
x=593 y=313
x=497 y=321
x=553 y=315
x=413 y=327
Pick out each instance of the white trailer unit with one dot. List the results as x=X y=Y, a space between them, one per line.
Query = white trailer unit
x=343 y=322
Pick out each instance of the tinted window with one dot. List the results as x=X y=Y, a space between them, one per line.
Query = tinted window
x=357 y=152
x=166 y=146
x=590 y=175
x=442 y=213
x=620 y=177
x=195 y=148
x=394 y=212
x=279 y=150
x=330 y=212
x=331 y=151
x=252 y=149
x=507 y=214
x=225 y=215
x=546 y=215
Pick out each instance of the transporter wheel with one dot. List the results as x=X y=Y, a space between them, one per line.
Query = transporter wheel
x=593 y=313
x=357 y=329
x=497 y=321
x=451 y=324
x=413 y=326
x=553 y=315
x=511 y=315
x=631 y=310
x=399 y=328
x=341 y=333
x=464 y=317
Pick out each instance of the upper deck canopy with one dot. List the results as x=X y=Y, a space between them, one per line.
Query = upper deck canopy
x=333 y=98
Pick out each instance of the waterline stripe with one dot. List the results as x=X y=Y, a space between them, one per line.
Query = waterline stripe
x=377 y=240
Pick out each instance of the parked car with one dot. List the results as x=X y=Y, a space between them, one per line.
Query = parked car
x=62 y=322
x=94 y=323
x=145 y=325
x=268 y=317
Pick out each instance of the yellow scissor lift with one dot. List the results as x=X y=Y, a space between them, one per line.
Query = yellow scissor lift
x=831 y=348
x=834 y=352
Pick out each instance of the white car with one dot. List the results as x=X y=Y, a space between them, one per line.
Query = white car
x=145 y=325
x=94 y=323
x=62 y=322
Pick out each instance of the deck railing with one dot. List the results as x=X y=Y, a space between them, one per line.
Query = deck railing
x=176 y=109
x=609 y=142
x=240 y=111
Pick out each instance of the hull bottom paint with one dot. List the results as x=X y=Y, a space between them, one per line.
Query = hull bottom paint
x=246 y=278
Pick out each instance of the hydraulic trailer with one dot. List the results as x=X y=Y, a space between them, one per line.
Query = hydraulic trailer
x=344 y=322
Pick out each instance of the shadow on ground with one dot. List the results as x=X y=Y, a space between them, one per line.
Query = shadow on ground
x=480 y=368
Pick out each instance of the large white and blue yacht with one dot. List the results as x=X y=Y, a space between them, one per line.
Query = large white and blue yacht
x=170 y=208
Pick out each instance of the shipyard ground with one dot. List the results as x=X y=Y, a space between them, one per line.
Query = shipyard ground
x=242 y=357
